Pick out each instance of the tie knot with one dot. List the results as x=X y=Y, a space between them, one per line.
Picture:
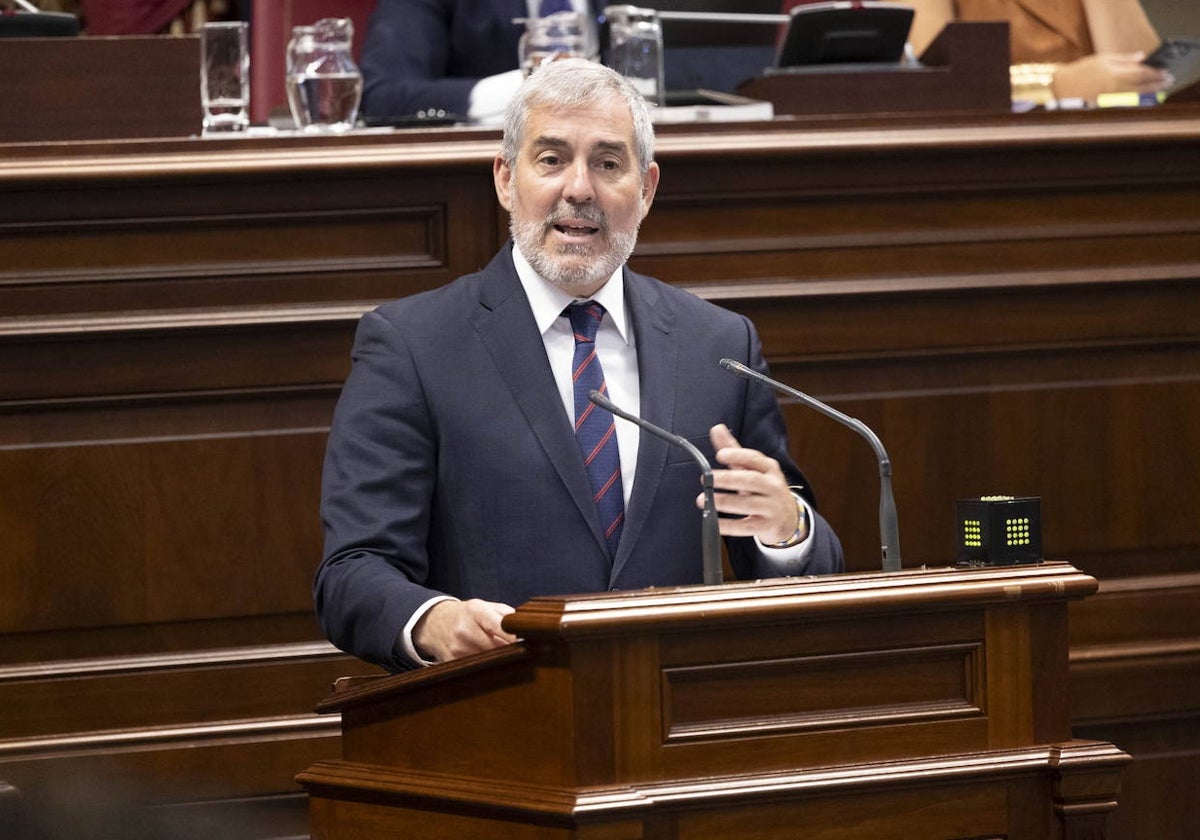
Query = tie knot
x=585 y=320
x=549 y=7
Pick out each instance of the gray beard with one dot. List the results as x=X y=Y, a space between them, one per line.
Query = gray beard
x=580 y=279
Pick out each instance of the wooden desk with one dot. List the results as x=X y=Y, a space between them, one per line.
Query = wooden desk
x=1011 y=303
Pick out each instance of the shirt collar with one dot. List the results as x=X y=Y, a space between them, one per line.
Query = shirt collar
x=548 y=301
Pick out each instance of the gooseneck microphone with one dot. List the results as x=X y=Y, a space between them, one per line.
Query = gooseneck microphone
x=709 y=531
x=889 y=531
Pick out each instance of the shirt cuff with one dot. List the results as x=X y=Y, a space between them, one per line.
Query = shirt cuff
x=404 y=643
x=793 y=559
x=490 y=96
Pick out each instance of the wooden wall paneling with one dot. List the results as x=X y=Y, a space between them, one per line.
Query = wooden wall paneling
x=1160 y=789
x=161 y=240
x=147 y=531
x=1135 y=659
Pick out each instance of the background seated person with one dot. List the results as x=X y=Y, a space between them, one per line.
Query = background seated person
x=460 y=56
x=1061 y=49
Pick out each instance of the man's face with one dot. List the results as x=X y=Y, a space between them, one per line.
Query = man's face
x=575 y=195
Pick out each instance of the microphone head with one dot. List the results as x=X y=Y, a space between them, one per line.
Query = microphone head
x=601 y=400
x=734 y=366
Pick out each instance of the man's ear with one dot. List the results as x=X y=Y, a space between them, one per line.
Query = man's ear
x=502 y=174
x=649 y=187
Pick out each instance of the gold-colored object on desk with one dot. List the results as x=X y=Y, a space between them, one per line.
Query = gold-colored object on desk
x=1033 y=82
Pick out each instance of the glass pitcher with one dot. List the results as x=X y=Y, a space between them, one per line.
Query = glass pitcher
x=324 y=85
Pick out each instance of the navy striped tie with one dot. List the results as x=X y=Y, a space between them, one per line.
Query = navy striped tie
x=595 y=429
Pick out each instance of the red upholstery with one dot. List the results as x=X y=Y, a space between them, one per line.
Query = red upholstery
x=129 y=17
x=271 y=29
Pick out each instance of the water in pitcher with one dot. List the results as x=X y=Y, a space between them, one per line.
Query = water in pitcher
x=324 y=85
x=325 y=103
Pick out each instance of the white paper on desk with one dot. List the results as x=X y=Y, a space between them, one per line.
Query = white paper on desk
x=723 y=107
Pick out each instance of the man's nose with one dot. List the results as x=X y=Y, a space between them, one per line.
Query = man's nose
x=579 y=187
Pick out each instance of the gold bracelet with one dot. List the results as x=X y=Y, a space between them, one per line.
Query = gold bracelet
x=1033 y=82
x=801 y=532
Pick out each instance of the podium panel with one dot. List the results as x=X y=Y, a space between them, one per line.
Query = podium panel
x=926 y=703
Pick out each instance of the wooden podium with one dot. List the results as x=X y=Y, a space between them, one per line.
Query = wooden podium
x=927 y=704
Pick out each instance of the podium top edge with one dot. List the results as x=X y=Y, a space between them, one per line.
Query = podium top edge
x=826 y=595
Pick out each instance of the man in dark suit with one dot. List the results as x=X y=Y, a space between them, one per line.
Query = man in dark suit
x=456 y=483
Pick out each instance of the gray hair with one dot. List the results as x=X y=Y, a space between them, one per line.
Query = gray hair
x=573 y=83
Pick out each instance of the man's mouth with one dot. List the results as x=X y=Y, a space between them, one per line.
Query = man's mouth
x=575 y=228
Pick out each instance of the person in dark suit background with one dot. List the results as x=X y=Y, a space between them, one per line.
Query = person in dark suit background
x=454 y=486
x=461 y=56
x=431 y=54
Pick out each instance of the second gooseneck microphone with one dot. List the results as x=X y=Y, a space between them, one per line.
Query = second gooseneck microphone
x=710 y=532
x=889 y=531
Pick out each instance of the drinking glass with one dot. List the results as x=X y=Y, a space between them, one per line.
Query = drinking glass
x=636 y=49
x=548 y=38
x=225 y=77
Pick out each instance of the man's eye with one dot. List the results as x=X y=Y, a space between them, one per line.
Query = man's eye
x=549 y=160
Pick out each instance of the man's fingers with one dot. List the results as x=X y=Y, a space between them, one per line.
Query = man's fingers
x=721 y=438
x=734 y=456
x=489 y=616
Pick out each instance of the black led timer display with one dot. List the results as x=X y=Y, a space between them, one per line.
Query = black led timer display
x=999 y=530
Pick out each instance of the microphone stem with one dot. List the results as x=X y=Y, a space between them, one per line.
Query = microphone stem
x=889 y=529
x=710 y=534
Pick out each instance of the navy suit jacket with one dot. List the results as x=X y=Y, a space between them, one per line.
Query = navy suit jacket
x=452 y=466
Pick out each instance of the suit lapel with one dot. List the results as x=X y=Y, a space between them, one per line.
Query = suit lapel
x=505 y=325
x=657 y=352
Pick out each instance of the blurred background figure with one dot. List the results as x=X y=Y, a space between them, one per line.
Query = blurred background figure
x=1061 y=49
x=69 y=6
x=433 y=54
x=108 y=805
x=148 y=17
x=460 y=56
